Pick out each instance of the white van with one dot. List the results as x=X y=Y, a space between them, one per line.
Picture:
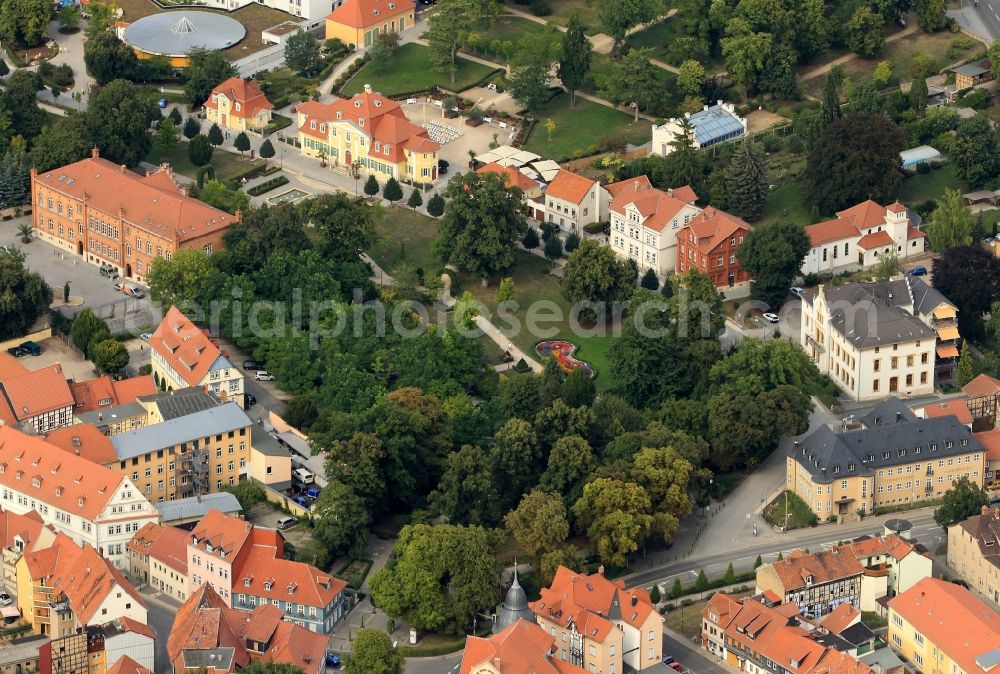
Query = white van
x=304 y=476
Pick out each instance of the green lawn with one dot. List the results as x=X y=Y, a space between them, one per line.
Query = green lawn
x=405 y=237
x=786 y=204
x=227 y=164
x=601 y=69
x=410 y=70
x=563 y=9
x=532 y=285
x=661 y=35
x=798 y=512
x=579 y=128
x=919 y=187
x=512 y=28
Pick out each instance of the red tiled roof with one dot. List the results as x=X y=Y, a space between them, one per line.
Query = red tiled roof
x=896 y=207
x=129 y=625
x=10 y=366
x=521 y=648
x=914 y=233
x=953 y=619
x=63 y=479
x=25 y=527
x=185 y=347
x=223 y=532
x=569 y=186
x=893 y=544
x=982 y=386
x=874 y=240
x=712 y=226
x=824 y=566
x=84 y=440
x=93 y=394
x=991 y=441
x=511 y=176
x=245 y=92
x=958 y=408
x=853 y=221
x=657 y=207
x=168 y=545
x=295 y=645
x=126 y=665
x=830 y=231
x=142 y=203
x=38 y=392
x=365 y=13
x=88 y=581
x=290 y=581
x=841 y=618
x=584 y=598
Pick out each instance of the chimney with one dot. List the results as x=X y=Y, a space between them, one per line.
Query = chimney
x=368 y=88
x=600 y=569
x=95 y=153
x=635 y=185
x=996 y=513
x=100 y=416
x=670 y=191
x=121 y=168
x=899 y=415
x=185 y=190
x=635 y=600
x=985 y=510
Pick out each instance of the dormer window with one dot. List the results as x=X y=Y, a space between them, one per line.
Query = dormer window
x=378 y=146
x=246 y=582
x=357 y=103
x=850 y=466
x=215 y=98
x=36 y=482
x=965 y=441
x=238 y=107
x=81 y=501
x=322 y=128
x=340 y=115
x=385 y=151
x=268 y=585
x=312 y=124
x=361 y=121
x=378 y=101
x=949 y=444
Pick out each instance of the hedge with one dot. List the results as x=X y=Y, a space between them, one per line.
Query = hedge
x=267 y=186
x=252 y=172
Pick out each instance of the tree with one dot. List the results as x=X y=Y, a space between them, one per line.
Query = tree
x=529 y=73
x=676 y=590
x=24 y=22
x=951 y=223
x=372 y=652
x=553 y=248
x=215 y=136
x=757 y=563
x=970 y=277
x=446 y=30
x=578 y=389
x=746 y=54
x=242 y=142
x=24 y=295
x=730 y=576
x=346 y=224
x=572 y=242
x=691 y=79
x=615 y=515
x=392 y=191
x=975 y=151
x=962 y=501
x=192 y=127
x=340 y=520
x=865 y=36
x=773 y=254
x=302 y=53
x=379 y=56
x=186 y=279
x=617 y=17
x=18 y=98
x=595 y=274
x=117 y=121
x=465 y=493
x=371 y=185
x=110 y=356
x=108 y=58
x=85 y=325
x=200 y=150
x=4 y=68
x=650 y=281
x=831 y=97
x=855 y=158
x=60 y=143
x=538 y=524
x=574 y=62
x=69 y=17
x=570 y=461
x=931 y=15
x=482 y=222
x=415 y=200
x=206 y=69
x=435 y=207
x=633 y=79
x=994 y=55
x=439 y=578
x=701 y=582
x=966 y=366
x=918 y=95
x=743 y=429
x=530 y=239
x=266 y=149
x=747 y=182
x=888 y=266
x=166 y=134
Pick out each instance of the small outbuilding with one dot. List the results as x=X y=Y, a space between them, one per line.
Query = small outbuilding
x=924 y=154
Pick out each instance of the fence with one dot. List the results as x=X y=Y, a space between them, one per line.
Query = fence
x=128 y=315
x=36 y=336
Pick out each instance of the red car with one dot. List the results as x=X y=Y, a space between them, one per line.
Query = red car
x=676 y=666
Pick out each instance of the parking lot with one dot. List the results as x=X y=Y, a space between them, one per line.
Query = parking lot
x=54 y=350
x=267 y=516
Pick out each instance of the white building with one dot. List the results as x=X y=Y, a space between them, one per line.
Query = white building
x=89 y=503
x=860 y=235
x=864 y=336
x=645 y=222
x=710 y=125
x=572 y=201
x=314 y=10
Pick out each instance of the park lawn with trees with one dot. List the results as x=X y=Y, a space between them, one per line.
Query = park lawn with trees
x=577 y=129
x=403 y=236
x=563 y=11
x=227 y=164
x=410 y=70
x=506 y=28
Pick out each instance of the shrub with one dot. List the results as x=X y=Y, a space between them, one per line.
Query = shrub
x=540 y=7
x=572 y=242
x=530 y=240
x=614 y=142
x=553 y=248
x=267 y=186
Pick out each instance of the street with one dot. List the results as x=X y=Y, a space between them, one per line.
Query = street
x=160 y=617
x=988 y=14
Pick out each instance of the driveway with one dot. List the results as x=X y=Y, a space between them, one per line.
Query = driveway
x=54 y=351
x=71 y=54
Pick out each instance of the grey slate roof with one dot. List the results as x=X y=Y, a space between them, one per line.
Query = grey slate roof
x=265 y=443
x=857 y=634
x=888 y=412
x=926 y=298
x=219 y=419
x=183 y=402
x=514 y=608
x=197 y=506
x=871 y=314
x=109 y=415
x=830 y=456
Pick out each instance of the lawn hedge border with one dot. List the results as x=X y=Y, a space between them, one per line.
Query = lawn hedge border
x=267 y=186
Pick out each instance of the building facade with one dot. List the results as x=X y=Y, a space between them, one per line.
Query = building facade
x=104 y=214
x=239 y=105
x=370 y=132
x=645 y=222
x=360 y=22
x=710 y=243
x=572 y=201
x=865 y=338
x=520 y=648
x=893 y=458
x=974 y=552
x=157 y=557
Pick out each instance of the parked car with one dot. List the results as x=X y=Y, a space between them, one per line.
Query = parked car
x=287 y=521
x=919 y=271
x=313 y=493
x=667 y=659
x=31 y=348
x=333 y=660
x=263 y=375
x=145 y=336
x=676 y=666
x=302 y=501
x=253 y=365
x=6 y=599
x=797 y=291
x=16 y=351
x=108 y=271
x=130 y=289
x=303 y=475
x=771 y=318
x=250 y=399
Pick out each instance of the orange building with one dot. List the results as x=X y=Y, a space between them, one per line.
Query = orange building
x=709 y=243
x=521 y=648
x=111 y=217
x=359 y=22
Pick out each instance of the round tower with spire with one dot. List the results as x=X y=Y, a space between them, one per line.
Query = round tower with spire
x=514 y=606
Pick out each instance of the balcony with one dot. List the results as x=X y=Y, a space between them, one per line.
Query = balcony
x=877 y=571
x=928 y=488
x=61 y=606
x=814 y=344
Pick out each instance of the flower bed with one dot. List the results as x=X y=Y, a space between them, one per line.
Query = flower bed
x=563 y=353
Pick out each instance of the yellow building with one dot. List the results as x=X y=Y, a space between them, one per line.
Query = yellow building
x=893 y=458
x=942 y=628
x=974 y=552
x=238 y=105
x=370 y=131
x=359 y=22
x=270 y=463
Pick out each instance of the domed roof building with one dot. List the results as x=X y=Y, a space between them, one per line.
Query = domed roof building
x=514 y=607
